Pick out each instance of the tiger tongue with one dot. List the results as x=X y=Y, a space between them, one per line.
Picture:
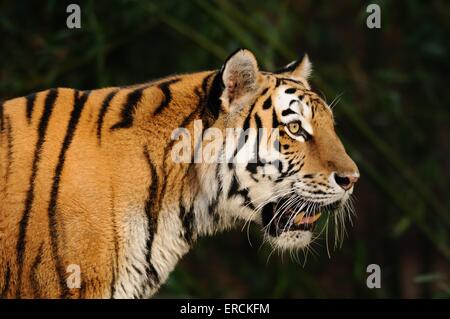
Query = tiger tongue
x=301 y=219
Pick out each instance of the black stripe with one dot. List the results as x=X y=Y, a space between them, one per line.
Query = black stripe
x=128 y=109
x=212 y=208
x=6 y=282
x=278 y=82
x=79 y=102
x=275 y=122
x=205 y=85
x=207 y=113
x=287 y=112
x=202 y=97
x=214 y=103
x=244 y=193
x=234 y=187
x=290 y=91
x=187 y=219
x=252 y=167
x=30 y=106
x=267 y=103
x=187 y=120
x=136 y=269
x=42 y=129
x=290 y=169
x=278 y=164
x=152 y=274
x=258 y=121
x=247 y=201
x=102 y=113
x=318 y=191
x=115 y=263
x=289 y=68
x=33 y=276
x=246 y=124
x=291 y=80
x=301 y=165
x=165 y=88
x=267 y=216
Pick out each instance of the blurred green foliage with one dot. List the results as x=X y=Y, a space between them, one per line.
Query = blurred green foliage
x=393 y=115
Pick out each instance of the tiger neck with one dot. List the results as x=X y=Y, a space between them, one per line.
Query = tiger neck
x=201 y=207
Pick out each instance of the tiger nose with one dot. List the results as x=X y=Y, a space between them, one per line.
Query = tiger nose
x=346 y=181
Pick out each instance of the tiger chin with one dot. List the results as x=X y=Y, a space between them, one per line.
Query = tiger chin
x=94 y=204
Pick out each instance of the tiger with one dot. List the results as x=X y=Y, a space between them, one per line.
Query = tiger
x=90 y=186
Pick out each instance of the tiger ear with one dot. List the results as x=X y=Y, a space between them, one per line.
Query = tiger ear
x=239 y=75
x=299 y=69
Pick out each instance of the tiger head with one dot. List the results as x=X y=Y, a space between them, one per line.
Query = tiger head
x=300 y=172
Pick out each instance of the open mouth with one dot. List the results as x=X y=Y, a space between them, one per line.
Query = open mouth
x=280 y=217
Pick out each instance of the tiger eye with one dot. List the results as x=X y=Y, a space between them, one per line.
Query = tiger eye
x=294 y=127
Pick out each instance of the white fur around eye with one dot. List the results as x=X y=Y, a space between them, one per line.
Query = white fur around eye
x=295 y=105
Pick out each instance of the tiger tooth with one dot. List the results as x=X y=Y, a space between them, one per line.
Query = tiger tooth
x=310 y=219
x=298 y=218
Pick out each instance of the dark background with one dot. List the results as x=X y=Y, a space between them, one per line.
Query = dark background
x=393 y=116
